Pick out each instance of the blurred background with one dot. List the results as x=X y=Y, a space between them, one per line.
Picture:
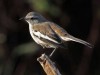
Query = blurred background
x=18 y=52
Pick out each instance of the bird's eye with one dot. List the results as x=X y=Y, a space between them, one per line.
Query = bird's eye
x=33 y=18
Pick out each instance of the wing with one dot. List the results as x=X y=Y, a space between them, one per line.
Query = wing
x=59 y=30
x=44 y=30
x=67 y=37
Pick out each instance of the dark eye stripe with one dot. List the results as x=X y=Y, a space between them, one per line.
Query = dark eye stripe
x=33 y=18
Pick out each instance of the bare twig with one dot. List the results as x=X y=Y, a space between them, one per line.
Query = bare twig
x=48 y=65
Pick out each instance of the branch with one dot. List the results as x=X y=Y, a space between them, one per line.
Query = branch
x=48 y=65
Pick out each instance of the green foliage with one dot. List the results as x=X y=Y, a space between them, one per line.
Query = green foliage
x=45 y=6
x=24 y=49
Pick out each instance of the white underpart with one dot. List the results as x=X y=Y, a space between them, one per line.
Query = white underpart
x=39 y=35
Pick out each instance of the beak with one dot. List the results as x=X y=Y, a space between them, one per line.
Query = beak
x=22 y=18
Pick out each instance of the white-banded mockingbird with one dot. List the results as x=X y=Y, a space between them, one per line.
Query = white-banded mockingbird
x=48 y=34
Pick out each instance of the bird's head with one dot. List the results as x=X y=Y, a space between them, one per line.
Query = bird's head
x=34 y=18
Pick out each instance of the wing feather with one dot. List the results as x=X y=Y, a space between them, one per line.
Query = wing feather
x=45 y=31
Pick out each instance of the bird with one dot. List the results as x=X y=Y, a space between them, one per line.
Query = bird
x=49 y=34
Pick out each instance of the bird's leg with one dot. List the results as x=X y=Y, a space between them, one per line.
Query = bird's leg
x=52 y=52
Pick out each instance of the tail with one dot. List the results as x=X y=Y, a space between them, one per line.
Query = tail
x=71 y=38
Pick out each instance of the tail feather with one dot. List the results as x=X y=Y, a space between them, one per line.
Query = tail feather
x=71 y=38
